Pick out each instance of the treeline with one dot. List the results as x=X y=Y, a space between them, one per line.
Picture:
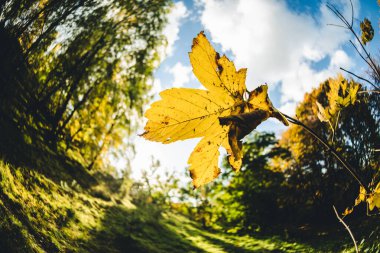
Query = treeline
x=76 y=73
x=293 y=180
x=287 y=182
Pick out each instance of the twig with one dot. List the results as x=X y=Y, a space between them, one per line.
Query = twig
x=352 y=13
x=336 y=123
x=345 y=164
x=360 y=54
x=369 y=91
x=359 y=77
x=347 y=228
x=368 y=59
x=340 y=26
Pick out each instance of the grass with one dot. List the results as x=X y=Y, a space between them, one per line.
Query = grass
x=216 y=241
x=42 y=209
x=39 y=215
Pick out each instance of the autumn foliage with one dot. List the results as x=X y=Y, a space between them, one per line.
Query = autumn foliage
x=220 y=115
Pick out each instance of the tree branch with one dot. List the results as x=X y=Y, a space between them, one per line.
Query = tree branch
x=347 y=228
x=345 y=164
x=361 y=78
x=368 y=59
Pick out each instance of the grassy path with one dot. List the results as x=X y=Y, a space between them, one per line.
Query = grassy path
x=40 y=215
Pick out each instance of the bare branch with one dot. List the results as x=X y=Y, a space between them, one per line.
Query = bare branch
x=360 y=54
x=370 y=91
x=347 y=228
x=359 y=77
x=340 y=26
x=352 y=13
x=368 y=59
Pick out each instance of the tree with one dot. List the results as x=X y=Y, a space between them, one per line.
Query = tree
x=92 y=61
x=355 y=135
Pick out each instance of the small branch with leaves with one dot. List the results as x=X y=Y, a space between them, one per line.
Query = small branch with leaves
x=344 y=163
x=367 y=36
x=348 y=229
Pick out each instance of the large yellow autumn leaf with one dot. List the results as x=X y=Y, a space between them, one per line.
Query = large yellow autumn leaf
x=220 y=114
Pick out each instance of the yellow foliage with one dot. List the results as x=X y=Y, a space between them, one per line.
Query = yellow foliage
x=342 y=93
x=374 y=198
x=347 y=211
x=362 y=196
x=220 y=114
x=367 y=31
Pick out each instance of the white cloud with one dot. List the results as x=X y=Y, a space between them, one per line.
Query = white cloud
x=172 y=157
x=181 y=74
x=278 y=45
x=340 y=58
x=171 y=30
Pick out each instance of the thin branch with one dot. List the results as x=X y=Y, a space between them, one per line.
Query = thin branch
x=347 y=228
x=372 y=65
x=352 y=13
x=360 y=54
x=341 y=26
x=336 y=123
x=338 y=14
x=369 y=91
x=370 y=61
x=359 y=77
x=345 y=164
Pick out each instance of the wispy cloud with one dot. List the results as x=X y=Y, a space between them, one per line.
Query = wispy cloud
x=278 y=45
x=181 y=74
x=176 y=16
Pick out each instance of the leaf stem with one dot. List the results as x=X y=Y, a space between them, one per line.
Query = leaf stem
x=345 y=164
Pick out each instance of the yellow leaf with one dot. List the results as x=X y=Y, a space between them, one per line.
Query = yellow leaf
x=322 y=115
x=347 y=211
x=374 y=198
x=219 y=115
x=362 y=196
x=216 y=74
x=341 y=94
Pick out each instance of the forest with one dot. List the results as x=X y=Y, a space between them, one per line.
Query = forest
x=77 y=90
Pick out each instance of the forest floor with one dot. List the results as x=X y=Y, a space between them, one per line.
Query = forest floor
x=50 y=203
x=40 y=215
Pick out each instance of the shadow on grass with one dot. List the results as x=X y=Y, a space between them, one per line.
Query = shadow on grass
x=229 y=247
x=140 y=230
x=38 y=156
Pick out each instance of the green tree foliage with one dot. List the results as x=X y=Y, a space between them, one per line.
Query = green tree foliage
x=92 y=62
x=255 y=197
x=294 y=180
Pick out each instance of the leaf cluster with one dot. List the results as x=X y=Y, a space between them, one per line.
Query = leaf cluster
x=367 y=31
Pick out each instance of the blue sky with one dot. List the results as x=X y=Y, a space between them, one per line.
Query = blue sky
x=286 y=44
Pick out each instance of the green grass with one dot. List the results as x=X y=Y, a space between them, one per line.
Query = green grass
x=39 y=215
x=216 y=241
